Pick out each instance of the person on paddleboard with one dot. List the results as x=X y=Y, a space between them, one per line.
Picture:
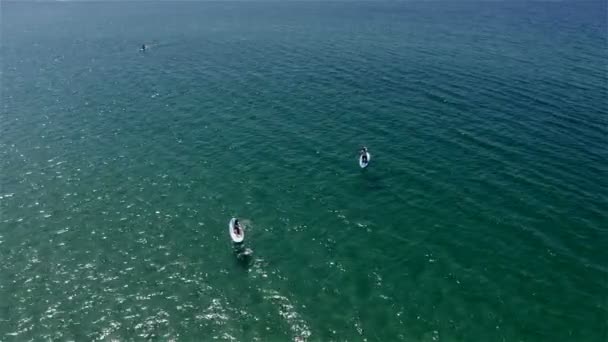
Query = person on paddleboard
x=143 y=47
x=364 y=154
x=237 y=227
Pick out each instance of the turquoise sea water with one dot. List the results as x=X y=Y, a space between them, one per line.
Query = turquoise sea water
x=482 y=216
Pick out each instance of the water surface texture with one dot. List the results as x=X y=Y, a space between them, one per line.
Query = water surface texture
x=482 y=216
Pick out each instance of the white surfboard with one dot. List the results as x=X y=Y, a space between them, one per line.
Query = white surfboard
x=362 y=164
x=233 y=235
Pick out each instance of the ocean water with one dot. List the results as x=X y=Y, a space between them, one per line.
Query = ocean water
x=482 y=216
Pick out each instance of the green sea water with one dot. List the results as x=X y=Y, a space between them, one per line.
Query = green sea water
x=482 y=215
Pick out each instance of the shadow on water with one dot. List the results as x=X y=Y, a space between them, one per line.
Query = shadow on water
x=371 y=181
x=243 y=255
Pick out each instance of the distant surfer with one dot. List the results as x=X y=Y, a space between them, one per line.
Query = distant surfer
x=363 y=153
x=237 y=227
x=143 y=47
x=237 y=232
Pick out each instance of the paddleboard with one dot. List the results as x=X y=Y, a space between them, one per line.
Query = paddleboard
x=361 y=163
x=233 y=235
